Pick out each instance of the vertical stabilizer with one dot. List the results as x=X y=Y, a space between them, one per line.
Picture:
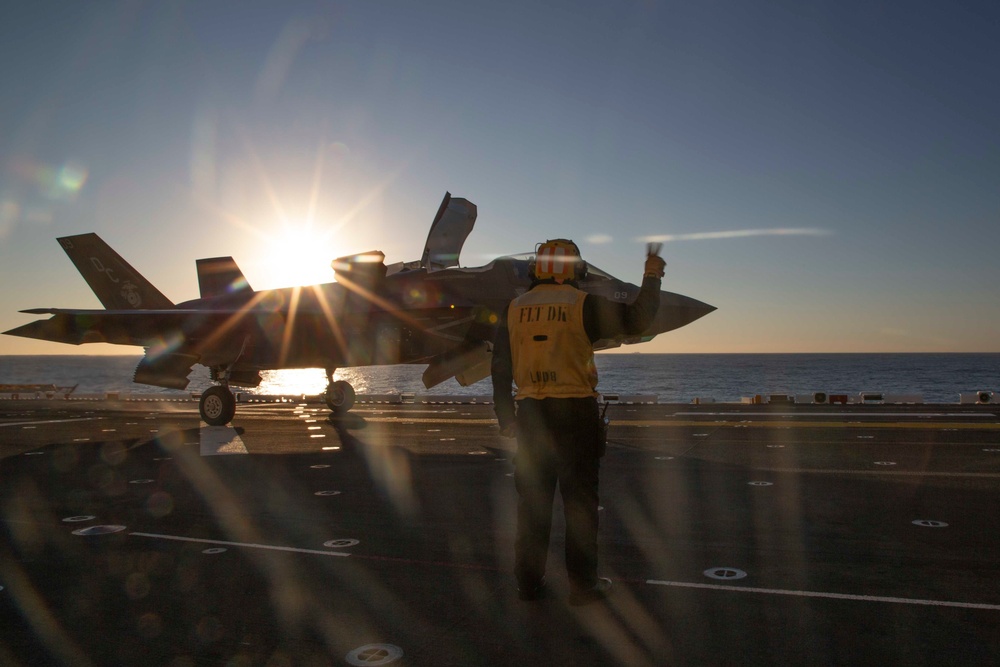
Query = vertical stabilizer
x=218 y=276
x=114 y=281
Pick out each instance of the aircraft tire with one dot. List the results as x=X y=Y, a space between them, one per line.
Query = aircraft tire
x=217 y=406
x=340 y=396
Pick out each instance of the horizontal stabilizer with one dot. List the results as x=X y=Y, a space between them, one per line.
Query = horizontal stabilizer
x=120 y=327
x=58 y=329
x=114 y=281
x=218 y=276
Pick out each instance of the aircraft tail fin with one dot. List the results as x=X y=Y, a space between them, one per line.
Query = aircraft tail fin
x=220 y=275
x=114 y=281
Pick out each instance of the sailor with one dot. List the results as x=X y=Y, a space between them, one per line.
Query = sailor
x=544 y=345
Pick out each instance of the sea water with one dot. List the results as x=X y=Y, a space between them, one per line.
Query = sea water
x=673 y=378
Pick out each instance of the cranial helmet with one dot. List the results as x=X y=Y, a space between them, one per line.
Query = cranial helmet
x=559 y=260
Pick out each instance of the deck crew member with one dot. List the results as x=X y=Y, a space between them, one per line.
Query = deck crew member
x=544 y=345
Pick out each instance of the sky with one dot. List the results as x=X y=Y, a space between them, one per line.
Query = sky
x=827 y=174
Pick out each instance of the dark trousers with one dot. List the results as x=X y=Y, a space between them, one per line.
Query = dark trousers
x=557 y=442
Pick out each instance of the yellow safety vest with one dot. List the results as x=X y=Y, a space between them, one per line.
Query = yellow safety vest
x=552 y=356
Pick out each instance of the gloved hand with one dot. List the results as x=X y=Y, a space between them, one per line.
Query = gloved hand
x=654 y=263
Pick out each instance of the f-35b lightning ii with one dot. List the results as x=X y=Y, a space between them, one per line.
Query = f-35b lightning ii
x=429 y=311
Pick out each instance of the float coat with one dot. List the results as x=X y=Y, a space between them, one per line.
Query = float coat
x=547 y=341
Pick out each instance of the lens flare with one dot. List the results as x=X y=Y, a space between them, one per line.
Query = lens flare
x=56 y=183
x=10 y=212
x=166 y=344
x=71 y=177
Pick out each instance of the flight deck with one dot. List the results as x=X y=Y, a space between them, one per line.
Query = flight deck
x=134 y=533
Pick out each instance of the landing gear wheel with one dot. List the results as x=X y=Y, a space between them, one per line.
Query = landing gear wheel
x=218 y=406
x=340 y=396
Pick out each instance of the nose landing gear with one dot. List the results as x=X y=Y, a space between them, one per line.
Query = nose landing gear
x=218 y=405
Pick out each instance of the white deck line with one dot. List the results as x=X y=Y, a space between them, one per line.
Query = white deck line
x=52 y=421
x=270 y=547
x=832 y=596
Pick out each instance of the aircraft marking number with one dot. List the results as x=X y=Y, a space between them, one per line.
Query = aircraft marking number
x=106 y=270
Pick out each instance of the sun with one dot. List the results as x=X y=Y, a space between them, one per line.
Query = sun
x=299 y=254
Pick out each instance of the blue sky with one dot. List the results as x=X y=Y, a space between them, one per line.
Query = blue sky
x=869 y=132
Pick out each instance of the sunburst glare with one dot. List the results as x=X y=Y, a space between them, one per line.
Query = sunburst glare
x=307 y=381
x=299 y=255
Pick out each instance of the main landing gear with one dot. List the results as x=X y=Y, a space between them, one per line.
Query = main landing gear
x=339 y=394
x=217 y=406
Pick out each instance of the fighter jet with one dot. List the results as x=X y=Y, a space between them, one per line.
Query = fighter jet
x=429 y=311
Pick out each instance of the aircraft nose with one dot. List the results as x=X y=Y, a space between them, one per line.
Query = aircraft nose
x=677 y=310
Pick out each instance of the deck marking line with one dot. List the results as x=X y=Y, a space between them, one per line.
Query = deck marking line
x=843 y=414
x=832 y=596
x=766 y=424
x=271 y=547
x=54 y=421
x=891 y=473
x=419 y=420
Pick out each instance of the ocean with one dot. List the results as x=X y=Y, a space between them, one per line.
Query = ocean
x=673 y=378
